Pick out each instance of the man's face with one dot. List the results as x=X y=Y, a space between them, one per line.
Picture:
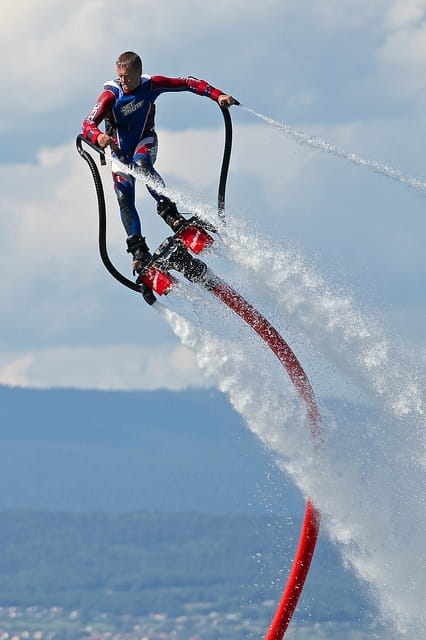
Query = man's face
x=129 y=79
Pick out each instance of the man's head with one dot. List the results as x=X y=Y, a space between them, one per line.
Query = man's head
x=129 y=70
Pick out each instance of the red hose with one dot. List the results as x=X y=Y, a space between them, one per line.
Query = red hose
x=298 y=573
x=277 y=344
x=310 y=528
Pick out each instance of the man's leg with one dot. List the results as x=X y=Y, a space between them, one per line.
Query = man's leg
x=124 y=187
x=145 y=156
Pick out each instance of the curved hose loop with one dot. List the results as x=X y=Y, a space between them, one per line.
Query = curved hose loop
x=225 y=163
x=102 y=215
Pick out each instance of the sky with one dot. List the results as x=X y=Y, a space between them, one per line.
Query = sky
x=349 y=72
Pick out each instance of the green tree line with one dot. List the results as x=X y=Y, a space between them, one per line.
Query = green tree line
x=140 y=563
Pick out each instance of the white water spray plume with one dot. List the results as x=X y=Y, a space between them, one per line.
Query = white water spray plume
x=367 y=478
x=317 y=143
x=331 y=321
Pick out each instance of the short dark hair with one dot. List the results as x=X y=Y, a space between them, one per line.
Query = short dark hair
x=131 y=60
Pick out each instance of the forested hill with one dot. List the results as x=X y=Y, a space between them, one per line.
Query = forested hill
x=122 y=451
x=148 y=562
x=156 y=498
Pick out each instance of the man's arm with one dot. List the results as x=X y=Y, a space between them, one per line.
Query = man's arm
x=91 y=123
x=200 y=87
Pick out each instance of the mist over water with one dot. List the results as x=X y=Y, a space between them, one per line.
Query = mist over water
x=368 y=476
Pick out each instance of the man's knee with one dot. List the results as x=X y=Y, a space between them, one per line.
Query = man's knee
x=122 y=197
x=144 y=163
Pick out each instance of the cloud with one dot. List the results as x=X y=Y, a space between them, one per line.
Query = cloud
x=195 y=156
x=402 y=58
x=405 y=14
x=334 y=14
x=52 y=47
x=52 y=277
x=111 y=367
x=62 y=53
x=271 y=48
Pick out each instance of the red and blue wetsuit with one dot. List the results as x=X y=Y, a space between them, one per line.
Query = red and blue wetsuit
x=130 y=119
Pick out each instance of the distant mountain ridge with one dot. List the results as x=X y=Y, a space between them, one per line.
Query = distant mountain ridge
x=168 y=451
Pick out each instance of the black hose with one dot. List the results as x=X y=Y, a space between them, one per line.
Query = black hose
x=102 y=215
x=225 y=163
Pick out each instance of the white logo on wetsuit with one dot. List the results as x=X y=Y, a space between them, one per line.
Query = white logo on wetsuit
x=131 y=107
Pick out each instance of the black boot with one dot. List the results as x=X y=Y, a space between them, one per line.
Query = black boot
x=137 y=246
x=171 y=216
